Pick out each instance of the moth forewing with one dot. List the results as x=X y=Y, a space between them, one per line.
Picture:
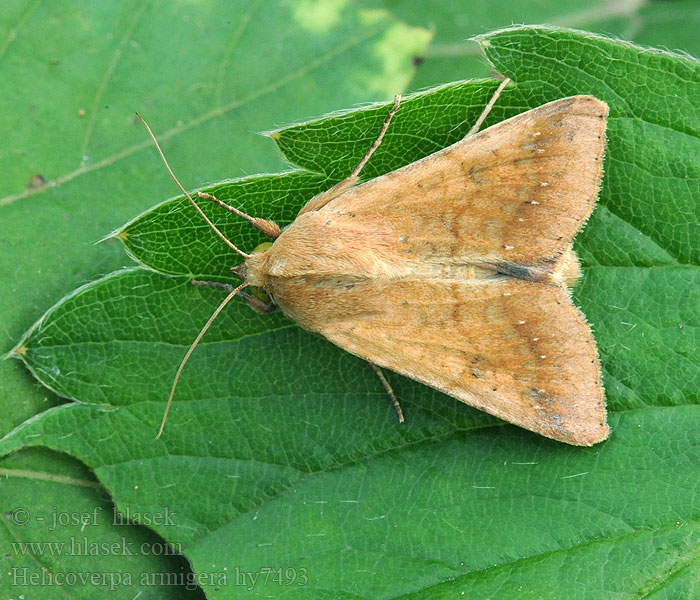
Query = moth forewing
x=453 y=270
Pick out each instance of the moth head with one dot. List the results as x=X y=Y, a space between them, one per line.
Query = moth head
x=253 y=269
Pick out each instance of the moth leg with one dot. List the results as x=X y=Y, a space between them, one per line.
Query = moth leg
x=488 y=107
x=389 y=391
x=269 y=228
x=215 y=284
x=253 y=301
x=378 y=141
x=258 y=305
x=320 y=200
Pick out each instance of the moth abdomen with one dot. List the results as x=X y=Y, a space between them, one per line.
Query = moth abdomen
x=560 y=270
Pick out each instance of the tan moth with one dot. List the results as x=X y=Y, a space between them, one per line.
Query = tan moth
x=455 y=270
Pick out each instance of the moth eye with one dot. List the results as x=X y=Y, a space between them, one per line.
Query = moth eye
x=262 y=247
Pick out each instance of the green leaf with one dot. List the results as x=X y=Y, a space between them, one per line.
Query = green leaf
x=283 y=452
x=76 y=164
x=67 y=524
x=450 y=54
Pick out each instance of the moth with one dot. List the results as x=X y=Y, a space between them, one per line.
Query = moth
x=455 y=269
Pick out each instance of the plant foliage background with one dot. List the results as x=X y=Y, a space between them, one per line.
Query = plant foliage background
x=281 y=451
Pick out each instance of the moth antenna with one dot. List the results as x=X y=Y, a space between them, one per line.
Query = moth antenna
x=191 y=350
x=182 y=189
x=488 y=107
